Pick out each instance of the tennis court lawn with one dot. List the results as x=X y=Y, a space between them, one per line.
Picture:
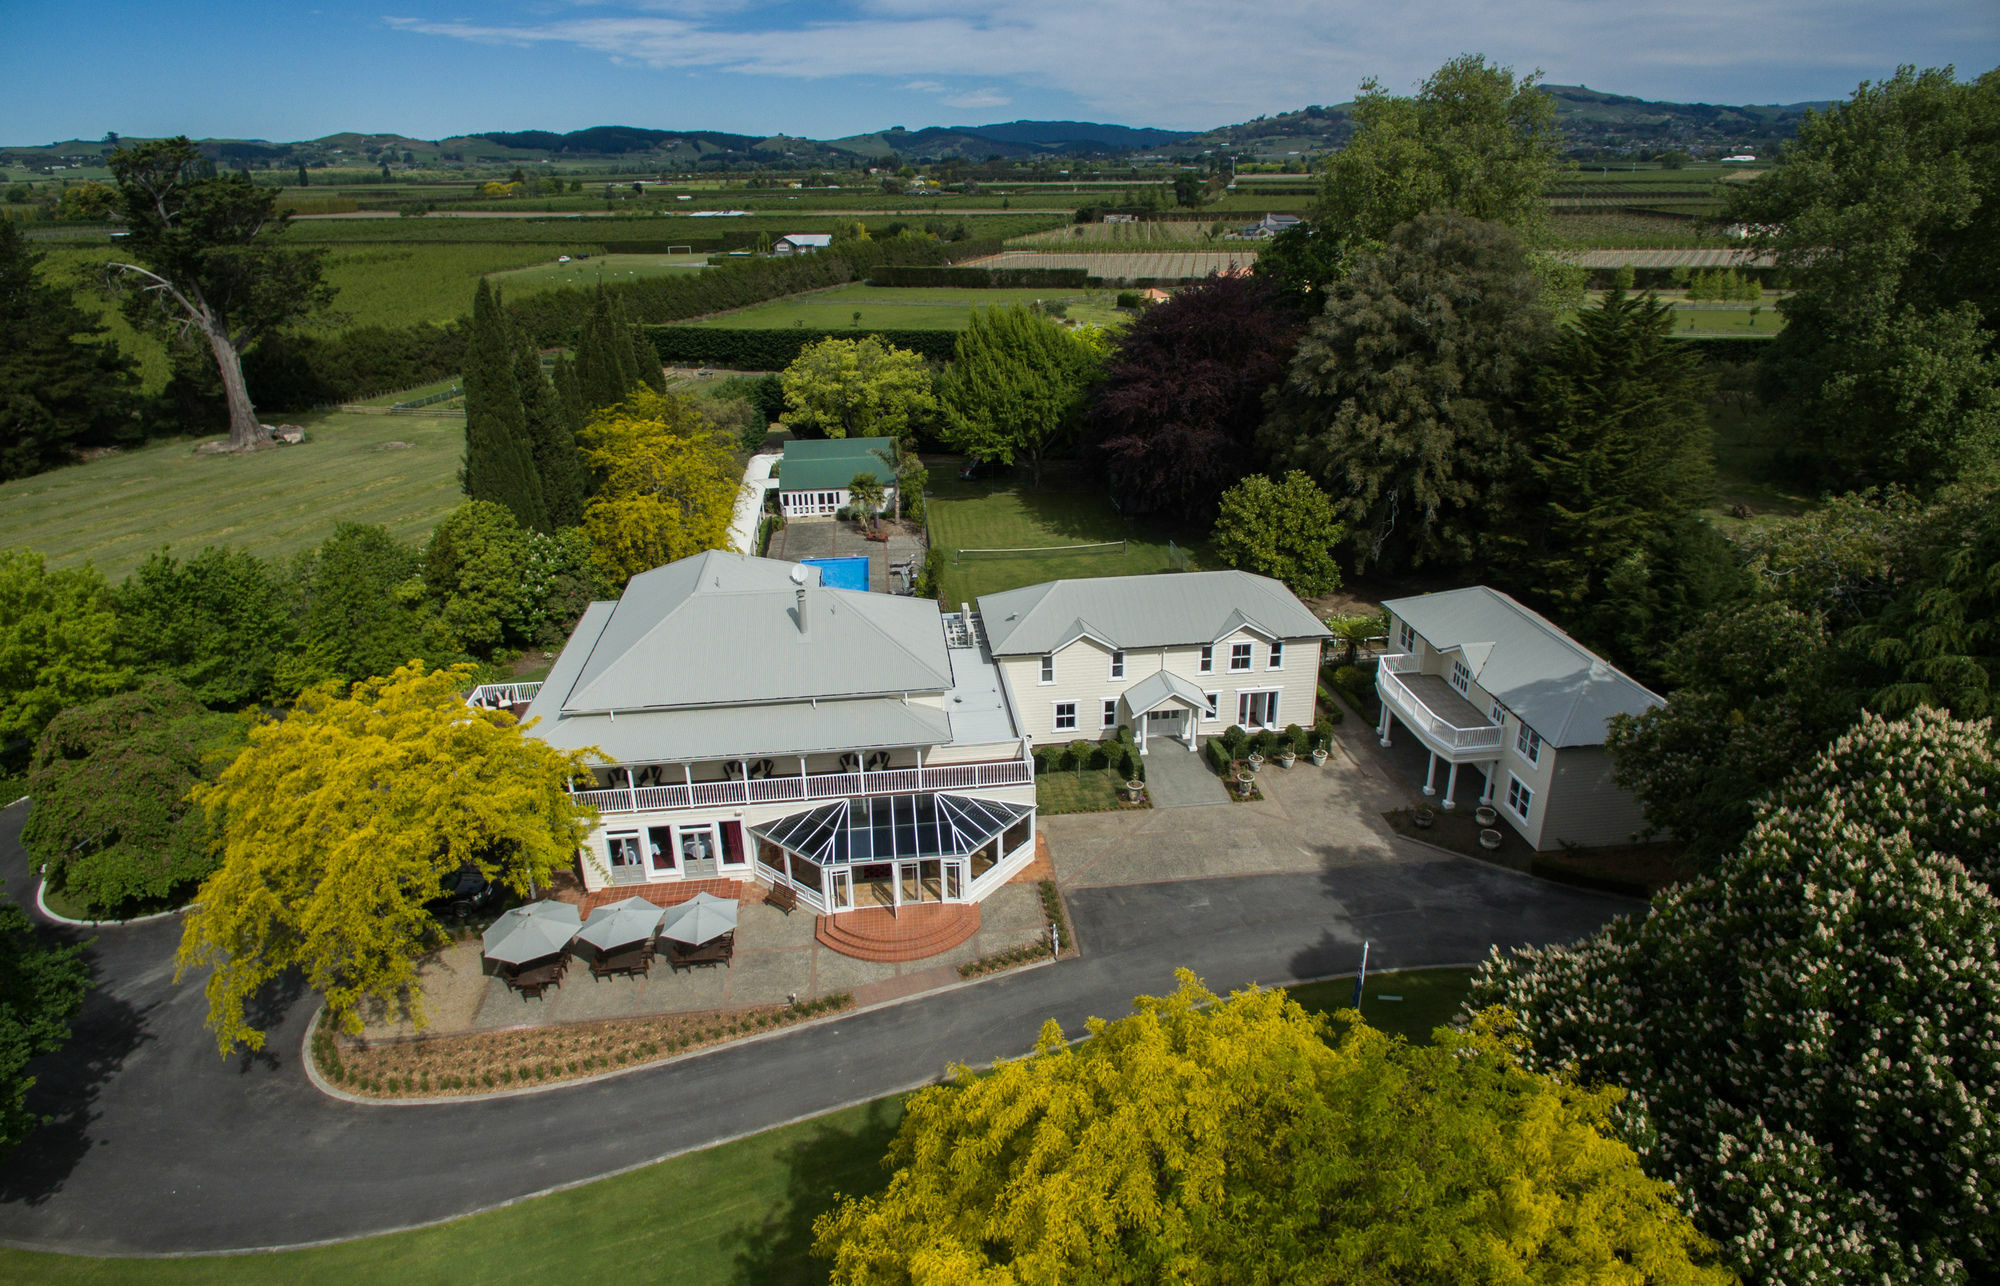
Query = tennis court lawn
x=908 y=308
x=397 y=470
x=1001 y=514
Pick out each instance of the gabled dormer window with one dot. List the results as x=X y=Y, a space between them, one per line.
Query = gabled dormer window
x=1239 y=656
x=1461 y=678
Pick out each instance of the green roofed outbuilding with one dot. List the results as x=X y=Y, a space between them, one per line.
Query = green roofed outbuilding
x=813 y=480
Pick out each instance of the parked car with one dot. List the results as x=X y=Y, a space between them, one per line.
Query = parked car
x=466 y=893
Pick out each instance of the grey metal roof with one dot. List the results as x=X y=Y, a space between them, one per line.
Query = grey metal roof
x=749 y=731
x=722 y=628
x=1556 y=685
x=1160 y=687
x=1162 y=610
x=830 y=464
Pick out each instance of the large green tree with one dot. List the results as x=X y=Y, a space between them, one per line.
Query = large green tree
x=1884 y=215
x=499 y=452
x=1284 y=528
x=1402 y=399
x=858 y=388
x=1242 y=1140
x=363 y=611
x=1617 y=449
x=666 y=484
x=219 y=622
x=1810 y=1037
x=112 y=825
x=63 y=384
x=339 y=821
x=559 y=468
x=205 y=253
x=1938 y=639
x=41 y=989
x=58 y=643
x=1016 y=388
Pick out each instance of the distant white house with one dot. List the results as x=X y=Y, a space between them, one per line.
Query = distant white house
x=1483 y=682
x=1269 y=226
x=802 y=243
x=1740 y=157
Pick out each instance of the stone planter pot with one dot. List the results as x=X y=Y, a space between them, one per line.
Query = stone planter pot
x=1489 y=839
x=1319 y=757
x=1244 y=781
x=1425 y=818
x=1256 y=761
x=1134 y=789
x=1287 y=759
x=1485 y=816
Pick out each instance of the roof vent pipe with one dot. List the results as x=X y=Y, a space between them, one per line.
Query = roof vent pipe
x=799 y=579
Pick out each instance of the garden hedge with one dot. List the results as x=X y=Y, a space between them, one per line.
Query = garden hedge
x=771 y=350
x=981 y=278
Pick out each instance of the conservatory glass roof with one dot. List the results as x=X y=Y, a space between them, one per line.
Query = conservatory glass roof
x=882 y=828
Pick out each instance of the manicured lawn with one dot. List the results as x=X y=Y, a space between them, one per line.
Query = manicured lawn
x=909 y=308
x=1005 y=514
x=1428 y=998
x=741 y=1212
x=588 y=272
x=1093 y=790
x=1728 y=321
x=117 y=510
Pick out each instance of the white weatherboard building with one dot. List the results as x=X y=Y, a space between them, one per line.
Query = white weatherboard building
x=1481 y=681
x=1181 y=656
x=855 y=747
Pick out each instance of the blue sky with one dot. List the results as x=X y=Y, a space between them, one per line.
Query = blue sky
x=283 y=70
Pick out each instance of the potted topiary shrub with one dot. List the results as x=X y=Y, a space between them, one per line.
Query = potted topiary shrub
x=1319 y=755
x=1244 y=783
x=1134 y=789
x=1287 y=757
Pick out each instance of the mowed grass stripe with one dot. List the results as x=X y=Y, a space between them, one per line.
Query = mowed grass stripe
x=116 y=511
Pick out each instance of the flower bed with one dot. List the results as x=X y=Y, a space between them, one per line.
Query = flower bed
x=1027 y=952
x=482 y=1062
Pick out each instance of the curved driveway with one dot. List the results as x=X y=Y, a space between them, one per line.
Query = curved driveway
x=161 y=1146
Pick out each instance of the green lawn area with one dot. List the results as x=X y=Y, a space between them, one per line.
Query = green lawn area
x=117 y=510
x=741 y=1212
x=588 y=272
x=1428 y=998
x=1093 y=790
x=1728 y=321
x=1003 y=513
x=909 y=308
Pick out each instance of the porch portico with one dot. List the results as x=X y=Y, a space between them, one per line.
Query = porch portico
x=1177 y=704
x=1450 y=728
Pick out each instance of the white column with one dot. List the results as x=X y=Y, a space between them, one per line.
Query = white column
x=1144 y=719
x=1430 y=774
x=1193 y=718
x=1382 y=728
x=1451 y=786
x=1492 y=778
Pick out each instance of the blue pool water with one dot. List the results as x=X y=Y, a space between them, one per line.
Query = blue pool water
x=841 y=573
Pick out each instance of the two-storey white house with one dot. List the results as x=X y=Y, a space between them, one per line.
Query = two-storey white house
x=1482 y=681
x=1181 y=656
x=858 y=748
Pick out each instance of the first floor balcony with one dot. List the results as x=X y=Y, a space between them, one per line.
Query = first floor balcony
x=777 y=779
x=1449 y=725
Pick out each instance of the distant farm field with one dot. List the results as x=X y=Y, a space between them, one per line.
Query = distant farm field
x=1146 y=234
x=1158 y=265
x=610 y=269
x=908 y=308
x=117 y=510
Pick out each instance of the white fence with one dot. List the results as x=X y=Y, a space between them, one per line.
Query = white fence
x=770 y=790
x=1419 y=716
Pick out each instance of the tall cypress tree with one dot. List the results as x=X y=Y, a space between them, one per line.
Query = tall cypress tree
x=646 y=359
x=558 y=465
x=569 y=395
x=601 y=378
x=499 y=465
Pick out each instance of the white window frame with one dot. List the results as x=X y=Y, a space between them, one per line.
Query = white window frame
x=1528 y=744
x=1206 y=665
x=1243 y=696
x=1407 y=637
x=1111 y=712
x=1118 y=663
x=1245 y=652
x=1461 y=677
x=1520 y=797
x=1056 y=721
x=1048 y=674
x=1277 y=661
x=1214 y=712
x=614 y=840
x=1498 y=714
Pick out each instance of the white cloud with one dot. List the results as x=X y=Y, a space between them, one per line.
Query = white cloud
x=977 y=98
x=1196 y=62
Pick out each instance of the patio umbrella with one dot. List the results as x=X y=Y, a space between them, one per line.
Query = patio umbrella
x=621 y=924
x=531 y=932
x=700 y=918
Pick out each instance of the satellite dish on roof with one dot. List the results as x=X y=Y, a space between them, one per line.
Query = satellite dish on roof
x=798 y=573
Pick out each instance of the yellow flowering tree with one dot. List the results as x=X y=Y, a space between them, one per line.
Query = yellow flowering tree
x=338 y=823
x=1244 y=1141
x=666 y=483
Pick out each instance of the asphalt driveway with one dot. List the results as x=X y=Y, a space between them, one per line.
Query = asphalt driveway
x=161 y=1145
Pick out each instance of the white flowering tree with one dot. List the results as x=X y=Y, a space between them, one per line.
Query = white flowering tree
x=1810 y=1037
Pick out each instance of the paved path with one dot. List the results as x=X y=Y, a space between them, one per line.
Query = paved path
x=160 y=1145
x=1177 y=778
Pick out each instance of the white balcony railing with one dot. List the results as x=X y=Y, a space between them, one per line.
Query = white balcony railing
x=1388 y=682
x=499 y=696
x=769 y=790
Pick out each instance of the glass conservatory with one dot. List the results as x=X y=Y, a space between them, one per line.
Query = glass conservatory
x=893 y=850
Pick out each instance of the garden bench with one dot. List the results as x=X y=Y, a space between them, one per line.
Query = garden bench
x=782 y=896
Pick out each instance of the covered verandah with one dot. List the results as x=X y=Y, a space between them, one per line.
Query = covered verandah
x=1168 y=701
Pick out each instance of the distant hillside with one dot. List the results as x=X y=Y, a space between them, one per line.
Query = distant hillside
x=1015 y=140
